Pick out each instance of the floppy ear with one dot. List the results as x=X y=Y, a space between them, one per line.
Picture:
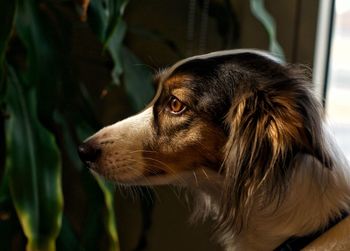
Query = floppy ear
x=269 y=125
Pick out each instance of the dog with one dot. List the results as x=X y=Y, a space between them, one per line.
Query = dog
x=246 y=135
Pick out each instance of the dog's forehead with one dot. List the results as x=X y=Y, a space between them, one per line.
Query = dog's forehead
x=169 y=73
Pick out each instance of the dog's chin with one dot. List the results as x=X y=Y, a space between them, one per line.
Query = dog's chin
x=184 y=178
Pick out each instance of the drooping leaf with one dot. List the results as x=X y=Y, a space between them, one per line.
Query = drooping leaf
x=7 y=12
x=114 y=47
x=106 y=20
x=33 y=97
x=69 y=143
x=43 y=59
x=104 y=17
x=109 y=217
x=93 y=226
x=33 y=161
x=95 y=190
x=98 y=18
x=67 y=240
x=137 y=80
x=259 y=11
x=116 y=10
x=108 y=195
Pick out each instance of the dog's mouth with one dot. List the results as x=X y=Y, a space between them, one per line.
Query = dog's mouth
x=128 y=175
x=125 y=166
x=140 y=169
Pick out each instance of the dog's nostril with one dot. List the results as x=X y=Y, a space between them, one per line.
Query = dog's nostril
x=89 y=152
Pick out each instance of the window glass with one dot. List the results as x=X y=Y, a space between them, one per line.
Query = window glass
x=338 y=93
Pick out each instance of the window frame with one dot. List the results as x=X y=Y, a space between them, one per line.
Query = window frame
x=324 y=35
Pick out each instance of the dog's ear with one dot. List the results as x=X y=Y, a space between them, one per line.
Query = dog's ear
x=269 y=125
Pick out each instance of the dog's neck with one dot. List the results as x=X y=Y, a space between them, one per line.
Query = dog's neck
x=314 y=196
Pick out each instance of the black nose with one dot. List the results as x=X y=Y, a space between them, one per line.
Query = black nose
x=89 y=152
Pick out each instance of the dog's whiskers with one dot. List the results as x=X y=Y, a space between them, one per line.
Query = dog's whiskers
x=205 y=173
x=168 y=168
x=162 y=163
x=195 y=176
x=149 y=185
x=148 y=167
x=142 y=151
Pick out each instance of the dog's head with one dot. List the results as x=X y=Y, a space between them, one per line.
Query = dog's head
x=237 y=118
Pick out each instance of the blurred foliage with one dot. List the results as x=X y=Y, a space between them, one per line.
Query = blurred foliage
x=259 y=11
x=46 y=110
x=49 y=111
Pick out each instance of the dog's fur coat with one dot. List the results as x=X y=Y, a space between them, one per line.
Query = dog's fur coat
x=245 y=133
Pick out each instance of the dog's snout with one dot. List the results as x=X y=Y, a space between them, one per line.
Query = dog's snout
x=88 y=152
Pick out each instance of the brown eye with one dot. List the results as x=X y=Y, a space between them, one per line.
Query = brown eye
x=176 y=106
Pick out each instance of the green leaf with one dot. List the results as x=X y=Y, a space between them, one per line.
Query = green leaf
x=109 y=217
x=30 y=29
x=34 y=168
x=44 y=62
x=84 y=131
x=67 y=240
x=106 y=20
x=116 y=10
x=7 y=13
x=104 y=17
x=93 y=223
x=94 y=189
x=97 y=18
x=137 y=80
x=259 y=11
x=69 y=144
x=114 y=47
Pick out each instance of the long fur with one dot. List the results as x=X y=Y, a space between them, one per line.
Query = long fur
x=272 y=120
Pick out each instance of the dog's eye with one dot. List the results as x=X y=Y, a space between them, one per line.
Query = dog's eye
x=176 y=106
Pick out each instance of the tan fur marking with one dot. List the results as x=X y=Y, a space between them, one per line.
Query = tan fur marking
x=177 y=80
x=183 y=94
